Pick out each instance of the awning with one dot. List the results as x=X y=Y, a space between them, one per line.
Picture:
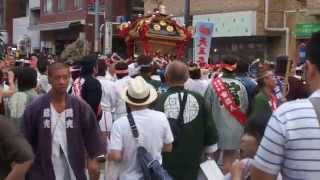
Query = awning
x=56 y=25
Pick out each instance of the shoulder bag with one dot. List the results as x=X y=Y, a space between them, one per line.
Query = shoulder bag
x=176 y=125
x=151 y=168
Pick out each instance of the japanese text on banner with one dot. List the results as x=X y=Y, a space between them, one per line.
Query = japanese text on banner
x=202 y=41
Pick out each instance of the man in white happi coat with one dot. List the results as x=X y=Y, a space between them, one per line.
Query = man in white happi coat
x=123 y=78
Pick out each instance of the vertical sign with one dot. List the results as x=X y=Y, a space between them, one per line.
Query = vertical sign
x=202 y=41
x=92 y=8
x=108 y=38
x=302 y=54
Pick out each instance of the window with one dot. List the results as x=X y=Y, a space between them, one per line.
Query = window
x=77 y=4
x=1 y=19
x=61 y=4
x=47 y=6
x=1 y=14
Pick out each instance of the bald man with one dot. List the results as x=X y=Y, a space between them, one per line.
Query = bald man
x=63 y=131
x=195 y=131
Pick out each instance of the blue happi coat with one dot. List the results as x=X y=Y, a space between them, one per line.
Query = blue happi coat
x=82 y=136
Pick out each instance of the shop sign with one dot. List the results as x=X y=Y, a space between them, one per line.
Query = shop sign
x=92 y=6
x=202 y=41
x=306 y=30
x=302 y=54
x=108 y=38
x=233 y=24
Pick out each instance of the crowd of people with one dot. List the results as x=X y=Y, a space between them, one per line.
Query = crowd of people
x=60 y=121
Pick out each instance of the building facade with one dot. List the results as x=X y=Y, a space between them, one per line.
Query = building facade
x=255 y=29
x=3 y=32
x=10 y=9
x=25 y=35
x=132 y=9
x=2 y=15
x=63 y=21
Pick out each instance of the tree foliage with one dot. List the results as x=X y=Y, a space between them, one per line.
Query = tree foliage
x=75 y=51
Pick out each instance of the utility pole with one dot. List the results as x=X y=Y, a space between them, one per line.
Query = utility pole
x=108 y=28
x=96 y=26
x=187 y=23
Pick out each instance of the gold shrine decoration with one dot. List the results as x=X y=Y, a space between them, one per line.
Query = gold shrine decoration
x=170 y=29
x=163 y=23
x=151 y=30
x=157 y=27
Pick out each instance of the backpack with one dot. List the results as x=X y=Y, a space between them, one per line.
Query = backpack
x=151 y=168
x=177 y=124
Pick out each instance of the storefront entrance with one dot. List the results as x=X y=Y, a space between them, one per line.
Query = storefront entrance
x=248 y=48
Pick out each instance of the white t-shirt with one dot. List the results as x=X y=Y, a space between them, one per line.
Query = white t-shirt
x=59 y=156
x=154 y=132
x=119 y=106
x=44 y=83
x=110 y=77
x=197 y=85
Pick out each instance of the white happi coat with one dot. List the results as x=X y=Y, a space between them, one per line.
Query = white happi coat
x=197 y=85
x=120 y=105
x=107 y=103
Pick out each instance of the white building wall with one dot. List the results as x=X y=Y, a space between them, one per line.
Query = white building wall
x=20 y=26
x=34 y=4
x=20 y=29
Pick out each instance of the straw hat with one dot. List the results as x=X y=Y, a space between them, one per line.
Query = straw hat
x=139 y=92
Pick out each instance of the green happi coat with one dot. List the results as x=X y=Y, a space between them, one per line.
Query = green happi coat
x=261 y=104
x=229 y=129
x=156 y=84
x=198 y=133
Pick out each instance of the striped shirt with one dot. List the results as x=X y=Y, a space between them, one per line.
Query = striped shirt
x=291 y=143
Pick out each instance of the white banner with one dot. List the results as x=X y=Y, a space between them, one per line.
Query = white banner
x=202 y=41
x=108 y=38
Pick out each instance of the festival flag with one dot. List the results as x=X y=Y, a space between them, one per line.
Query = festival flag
x=202 y=41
